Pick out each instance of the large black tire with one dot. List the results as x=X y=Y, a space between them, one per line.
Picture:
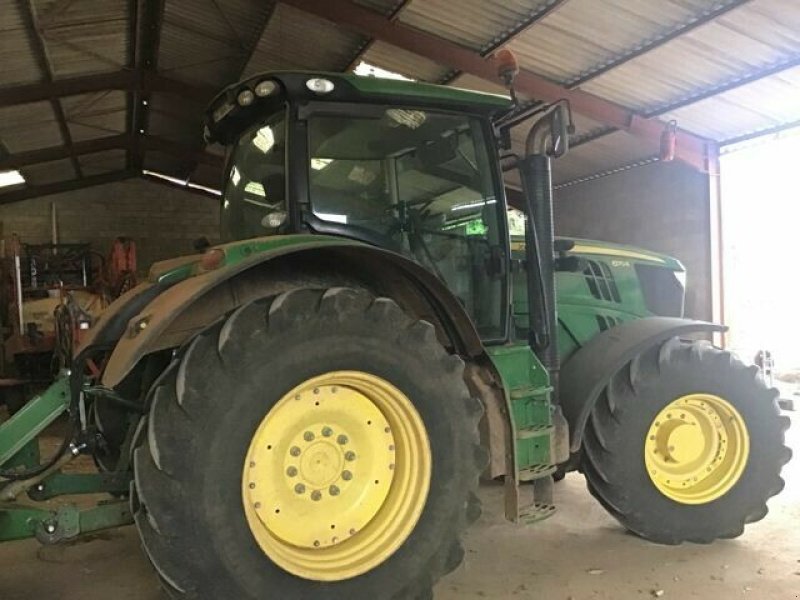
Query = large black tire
x=205 y=409
x=613 y=457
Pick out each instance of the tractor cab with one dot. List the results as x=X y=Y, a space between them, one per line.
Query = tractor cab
x=404 y=166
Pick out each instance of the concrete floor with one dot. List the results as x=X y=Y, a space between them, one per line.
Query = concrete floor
x=578 y=554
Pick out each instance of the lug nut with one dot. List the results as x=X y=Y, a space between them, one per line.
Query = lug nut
x=347 y=475
x=327 y=431
x=333 y=490
x=316 y=495
x=291 y=471
x=342 y=439
x=295 y=451
x=308 y=436
x=300 y=488
x=350 y=455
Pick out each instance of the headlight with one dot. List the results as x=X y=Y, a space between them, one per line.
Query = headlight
x=265 y=88
x=319 y=85
x=245 y=98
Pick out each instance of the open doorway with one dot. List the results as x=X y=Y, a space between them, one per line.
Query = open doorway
x=761 y=256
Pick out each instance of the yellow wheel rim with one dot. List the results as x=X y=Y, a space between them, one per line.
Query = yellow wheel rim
x=697 y=449
x=336 y=476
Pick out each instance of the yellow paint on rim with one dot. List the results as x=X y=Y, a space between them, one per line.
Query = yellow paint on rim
x=696 y=449
x=336 y=476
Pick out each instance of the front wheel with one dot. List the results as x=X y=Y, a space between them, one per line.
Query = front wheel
x=321 y=444
x=685 y=444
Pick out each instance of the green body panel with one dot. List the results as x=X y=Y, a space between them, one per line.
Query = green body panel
x=26 y=458
x=68 y=484
x=527 y=388
x=22 y=429
x=581 y=313
x=19 y=522
x=68 y=521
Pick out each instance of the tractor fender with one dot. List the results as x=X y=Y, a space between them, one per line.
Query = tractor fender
x=187 y=307
x=589 y=370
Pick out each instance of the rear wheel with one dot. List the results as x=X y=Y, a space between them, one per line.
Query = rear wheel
x=319 y=444
x=685 y=444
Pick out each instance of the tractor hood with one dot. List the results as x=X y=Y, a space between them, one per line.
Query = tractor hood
x=593 y=248
x=596 y=249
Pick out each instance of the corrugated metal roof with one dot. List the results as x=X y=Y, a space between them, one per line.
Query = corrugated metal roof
x=755 y=107
x=748 y=55
x=581 y=34
x=406 y=63
x=95 y=115
x=16 y=54
x=90 y=36
x=29 y=126
x=209 y=42
x=102 y=162
x=471 y=23
x=48 y=172
x=749 y=39
x=296 y=40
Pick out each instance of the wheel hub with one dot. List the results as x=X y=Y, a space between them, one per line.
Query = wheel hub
x=320 y=464
x=340 y=465
x=696 y=448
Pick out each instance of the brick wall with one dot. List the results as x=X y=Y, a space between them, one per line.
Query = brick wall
x=163 y=221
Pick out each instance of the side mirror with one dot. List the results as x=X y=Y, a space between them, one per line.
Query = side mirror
x=559 y=131
x=549 y=136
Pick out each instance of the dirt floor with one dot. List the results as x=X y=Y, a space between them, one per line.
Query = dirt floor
x=578 y=554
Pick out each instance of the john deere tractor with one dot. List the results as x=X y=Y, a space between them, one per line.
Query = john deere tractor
x=305 y=410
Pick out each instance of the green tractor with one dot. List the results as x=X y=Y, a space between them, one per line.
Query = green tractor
x=305 y=410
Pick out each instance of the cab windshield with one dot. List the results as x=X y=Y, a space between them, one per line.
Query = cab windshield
x=420 y=183
x=255 y=192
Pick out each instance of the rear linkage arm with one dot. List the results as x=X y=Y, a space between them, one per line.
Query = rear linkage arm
x=21 y=470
